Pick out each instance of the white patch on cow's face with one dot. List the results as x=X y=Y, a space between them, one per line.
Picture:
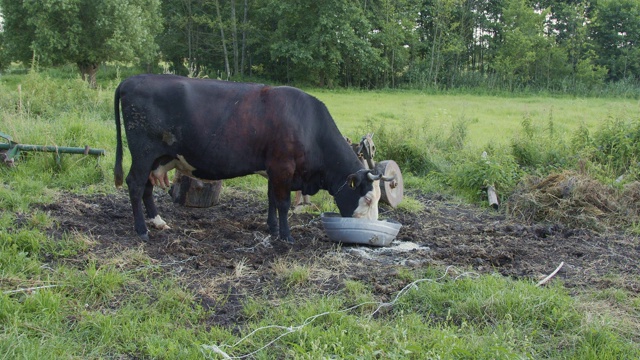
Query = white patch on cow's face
x=158 y=223
x=368 y=204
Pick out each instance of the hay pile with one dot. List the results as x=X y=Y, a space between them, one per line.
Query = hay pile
x=575 y=200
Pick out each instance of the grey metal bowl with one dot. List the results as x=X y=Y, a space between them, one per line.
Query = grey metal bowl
x=359 y=231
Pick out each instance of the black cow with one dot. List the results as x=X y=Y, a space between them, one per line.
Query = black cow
x=218 y=130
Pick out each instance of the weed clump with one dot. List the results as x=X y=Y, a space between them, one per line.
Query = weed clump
x=575 y=200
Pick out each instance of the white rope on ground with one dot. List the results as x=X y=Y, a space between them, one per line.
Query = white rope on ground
x=263 y=241
x=29 y=289
x=545 y=280
x=291 y=329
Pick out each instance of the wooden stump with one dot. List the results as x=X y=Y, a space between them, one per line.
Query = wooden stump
x=193 y=192
x=493 y=197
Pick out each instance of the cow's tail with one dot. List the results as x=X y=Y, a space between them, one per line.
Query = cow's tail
x=118 y=174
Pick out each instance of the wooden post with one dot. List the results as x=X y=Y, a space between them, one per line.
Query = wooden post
x=193 y=192
x=493 y=197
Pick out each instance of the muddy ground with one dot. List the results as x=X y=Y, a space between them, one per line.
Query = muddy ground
x=226 y=250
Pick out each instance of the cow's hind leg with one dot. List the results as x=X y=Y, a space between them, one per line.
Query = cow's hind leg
x=136 y=183
x=150 y=206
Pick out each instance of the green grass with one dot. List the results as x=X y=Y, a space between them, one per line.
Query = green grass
x=122 y=305
x=490 y=119
x=488 y=317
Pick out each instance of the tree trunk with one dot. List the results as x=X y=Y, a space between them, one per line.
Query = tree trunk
x=191 y=60
x=224 y=43
x=244 y=37
x=88 y=72
x=234 y=37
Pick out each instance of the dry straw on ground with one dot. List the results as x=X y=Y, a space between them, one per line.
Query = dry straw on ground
x=575 y=200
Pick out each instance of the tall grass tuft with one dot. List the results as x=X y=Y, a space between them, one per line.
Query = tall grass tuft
x=537 y=149
x=613 y=150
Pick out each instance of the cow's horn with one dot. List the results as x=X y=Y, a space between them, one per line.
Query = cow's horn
x=388 y=178
x=373 y=177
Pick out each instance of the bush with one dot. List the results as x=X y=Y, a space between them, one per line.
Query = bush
x=474 y=172
x=419 y=149
x=615 y=146
x=537 y=149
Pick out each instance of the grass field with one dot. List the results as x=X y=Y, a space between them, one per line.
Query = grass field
x=490 y=119
x=60 y=300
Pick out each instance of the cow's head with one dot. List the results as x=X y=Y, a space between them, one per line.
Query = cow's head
x=360 y=195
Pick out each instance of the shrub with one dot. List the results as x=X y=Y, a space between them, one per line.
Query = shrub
x=474 y=172
x=615 y=146
x=537 y=149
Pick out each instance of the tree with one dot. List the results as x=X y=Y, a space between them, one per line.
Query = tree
x=313 y=41
x=442 y=33
x=393 y=35
x=523 y=44
x=17 y=35
x=84 y=32
x=616 y=32
x=567 y=23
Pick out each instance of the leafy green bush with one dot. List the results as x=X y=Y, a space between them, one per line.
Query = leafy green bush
x=615 y=146
x=473 y=173
x=409 y=149
x=419 y=149
x=540 y=149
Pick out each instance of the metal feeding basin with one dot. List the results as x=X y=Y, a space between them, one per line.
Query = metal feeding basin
x=359 y=231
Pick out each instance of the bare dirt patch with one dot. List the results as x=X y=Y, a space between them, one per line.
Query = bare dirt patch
x=224 y=252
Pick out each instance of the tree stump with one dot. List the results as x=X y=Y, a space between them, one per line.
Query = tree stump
x=193 y=192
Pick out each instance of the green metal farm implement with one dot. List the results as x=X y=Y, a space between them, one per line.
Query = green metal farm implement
x=10 y=150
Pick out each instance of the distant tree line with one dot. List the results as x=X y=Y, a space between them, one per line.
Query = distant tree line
x=509 y=44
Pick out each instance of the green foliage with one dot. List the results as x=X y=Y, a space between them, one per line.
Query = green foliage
x=540 y=149
x=82 y=32
x=317 y=37
x=616 y=34
x=615 y=146
x=418 y=148
x=473 y=173
x=56 y=112
x=523 y=43
x=492 y=46
x=406 y=147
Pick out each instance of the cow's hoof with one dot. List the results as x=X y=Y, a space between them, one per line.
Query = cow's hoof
x=144 y=237
x=288 y=239
x=158 y=223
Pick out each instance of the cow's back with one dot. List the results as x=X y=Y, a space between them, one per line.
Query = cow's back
x=226 y=129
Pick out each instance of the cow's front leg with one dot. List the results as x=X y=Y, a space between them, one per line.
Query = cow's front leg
x=272 y=213
x=283 y=211
x=279 y=201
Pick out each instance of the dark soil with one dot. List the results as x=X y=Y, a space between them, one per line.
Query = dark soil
x=206 y=247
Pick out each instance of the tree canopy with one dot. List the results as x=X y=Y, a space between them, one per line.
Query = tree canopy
x=541 y=44
x=83 y=32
